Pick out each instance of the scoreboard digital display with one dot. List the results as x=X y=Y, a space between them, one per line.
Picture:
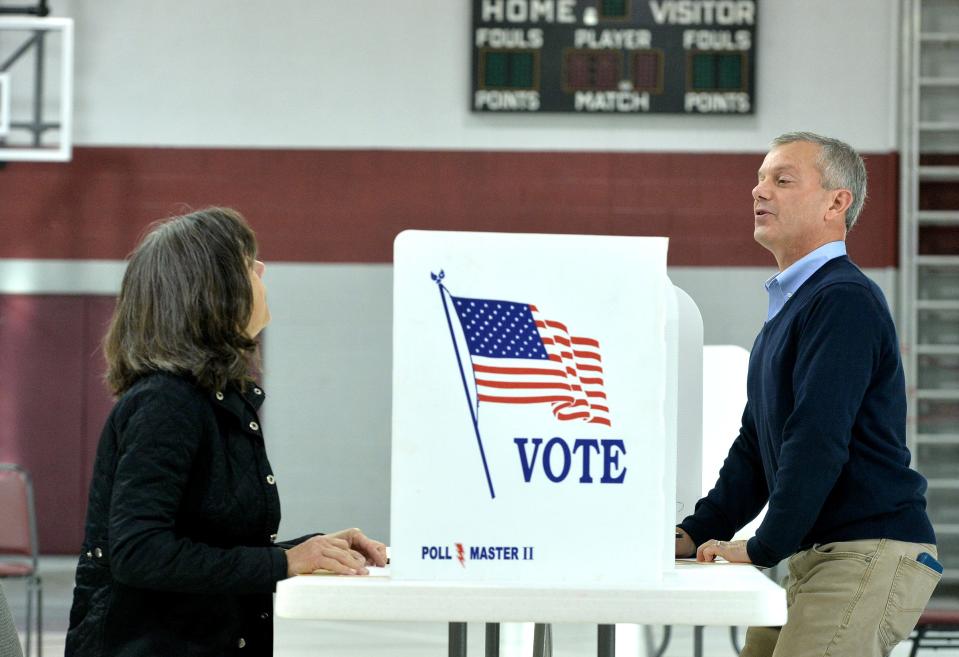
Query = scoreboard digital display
x=614 y=56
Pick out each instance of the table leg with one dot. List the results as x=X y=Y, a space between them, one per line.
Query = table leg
x=698 y=641
x=661 y=650
x=606 y=641
x=457 y=640
x=492 y=640
x=648 y=640
x=734 y=637
x=542 y=640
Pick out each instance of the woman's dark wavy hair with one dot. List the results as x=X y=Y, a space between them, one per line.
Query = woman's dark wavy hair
x=185 y=303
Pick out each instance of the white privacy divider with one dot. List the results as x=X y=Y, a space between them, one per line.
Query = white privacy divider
x=537 y=381
x=725 y=368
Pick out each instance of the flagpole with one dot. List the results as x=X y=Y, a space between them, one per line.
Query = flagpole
x=438 y=279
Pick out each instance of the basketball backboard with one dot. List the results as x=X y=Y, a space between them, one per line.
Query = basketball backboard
x=4 y=104
x=36 y=89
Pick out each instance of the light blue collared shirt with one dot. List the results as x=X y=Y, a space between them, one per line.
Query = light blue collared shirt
x=783 y=285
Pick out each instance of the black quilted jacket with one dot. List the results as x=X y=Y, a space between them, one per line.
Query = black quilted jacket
x=179 y=557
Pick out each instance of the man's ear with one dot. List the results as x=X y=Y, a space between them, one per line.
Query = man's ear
x=840 y=200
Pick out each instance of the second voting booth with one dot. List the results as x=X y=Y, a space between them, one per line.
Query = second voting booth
x=542 y=385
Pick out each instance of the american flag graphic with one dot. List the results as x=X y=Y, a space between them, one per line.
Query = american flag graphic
x=519 y=357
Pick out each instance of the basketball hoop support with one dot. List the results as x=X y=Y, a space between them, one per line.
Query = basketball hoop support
x=38 y=27
x=41 y=9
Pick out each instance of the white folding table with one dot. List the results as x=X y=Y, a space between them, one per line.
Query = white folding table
x=692 y=594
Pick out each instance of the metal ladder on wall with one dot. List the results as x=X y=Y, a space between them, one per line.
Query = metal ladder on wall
x=929 y=260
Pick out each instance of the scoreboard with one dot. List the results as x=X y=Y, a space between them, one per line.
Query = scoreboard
x=614 y=56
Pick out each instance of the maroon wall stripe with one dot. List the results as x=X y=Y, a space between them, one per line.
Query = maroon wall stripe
x=347 y=205
x=55 y=403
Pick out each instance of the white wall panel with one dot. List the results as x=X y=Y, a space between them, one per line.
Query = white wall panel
x=328 y=354
x=386 y=74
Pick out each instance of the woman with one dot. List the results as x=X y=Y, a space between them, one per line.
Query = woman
x=180 y=554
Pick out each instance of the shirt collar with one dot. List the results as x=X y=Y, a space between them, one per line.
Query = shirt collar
x=784 y=285
x=792 y=278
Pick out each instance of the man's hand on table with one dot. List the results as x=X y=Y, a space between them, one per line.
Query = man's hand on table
x=684 y=545
x=732 y=551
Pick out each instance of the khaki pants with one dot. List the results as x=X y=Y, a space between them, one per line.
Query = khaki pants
x=853 y=598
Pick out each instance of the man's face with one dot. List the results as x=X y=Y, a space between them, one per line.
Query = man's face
x=789 y=203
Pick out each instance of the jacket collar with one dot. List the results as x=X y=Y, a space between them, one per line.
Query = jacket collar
x=237 y=402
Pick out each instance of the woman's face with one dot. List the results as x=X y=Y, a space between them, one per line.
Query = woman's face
x=260 y=315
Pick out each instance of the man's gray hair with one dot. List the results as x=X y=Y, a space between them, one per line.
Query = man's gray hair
x=840 y=167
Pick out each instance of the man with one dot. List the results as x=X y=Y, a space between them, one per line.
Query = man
x=823 y=431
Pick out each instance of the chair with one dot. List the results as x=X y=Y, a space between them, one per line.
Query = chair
x=9 y=639
x=18 y=544
x=936 y=629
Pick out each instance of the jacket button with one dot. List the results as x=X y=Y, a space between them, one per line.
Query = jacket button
x=97 y=552
x=219 y=396
x=254 y=426
x=272 y=538
x=257 y=391
x=241 y=643
x=89 y=554
x=270 y=479
x=265 y=615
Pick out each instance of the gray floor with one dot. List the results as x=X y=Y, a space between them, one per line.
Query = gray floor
x=343 y=639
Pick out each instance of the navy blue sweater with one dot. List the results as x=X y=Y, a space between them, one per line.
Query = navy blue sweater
x=823 y=431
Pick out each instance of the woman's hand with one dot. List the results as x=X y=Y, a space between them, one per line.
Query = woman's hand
x=373 y=551
x=346 y=552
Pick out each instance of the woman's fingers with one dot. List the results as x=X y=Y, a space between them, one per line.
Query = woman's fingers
x=346 y=561
x=343 y=544
x=374 y=550
x=372 y=553
x=327 y=553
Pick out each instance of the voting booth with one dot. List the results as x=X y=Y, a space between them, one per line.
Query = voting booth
x=542 y=387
